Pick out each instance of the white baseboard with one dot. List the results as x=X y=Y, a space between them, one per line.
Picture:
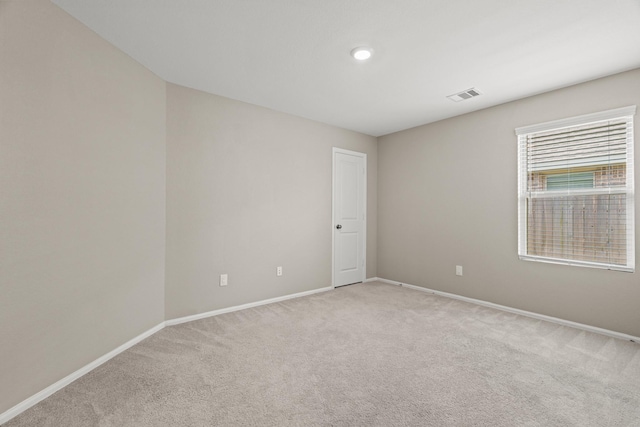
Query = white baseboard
x=531 y=314
x=38 y=397
x=26 y=404
x=243 y=306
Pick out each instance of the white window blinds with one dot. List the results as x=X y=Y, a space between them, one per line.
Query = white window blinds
x=575 y=191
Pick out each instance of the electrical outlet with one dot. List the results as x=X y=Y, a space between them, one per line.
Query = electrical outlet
x=458 y=270
x=279 y=271
x=224 y=279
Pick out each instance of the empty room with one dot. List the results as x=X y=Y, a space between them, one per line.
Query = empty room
x=319 y=213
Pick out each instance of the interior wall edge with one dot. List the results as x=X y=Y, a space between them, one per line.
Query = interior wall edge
x=60 y=384
x=186 y=319
x=530 y=314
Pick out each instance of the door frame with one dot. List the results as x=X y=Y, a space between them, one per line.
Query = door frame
x=333 y=213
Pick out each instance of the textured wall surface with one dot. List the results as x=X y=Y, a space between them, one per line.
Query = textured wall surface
x=82 y=198
x=249 y=189
x=448 y=196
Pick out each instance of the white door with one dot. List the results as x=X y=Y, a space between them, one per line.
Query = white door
x=349 y=216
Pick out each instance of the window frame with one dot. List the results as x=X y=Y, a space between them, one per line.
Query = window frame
x=524 y=195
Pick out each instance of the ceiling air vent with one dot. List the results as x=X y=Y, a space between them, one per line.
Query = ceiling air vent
x=467 y=94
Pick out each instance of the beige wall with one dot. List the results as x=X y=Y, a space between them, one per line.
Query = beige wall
x=448 y=196
x=83 y=170
x=86 y=133
x=249 y=189
x=82 y=198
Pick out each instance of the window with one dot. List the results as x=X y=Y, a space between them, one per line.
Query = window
x=564 y=181
x=575 y=191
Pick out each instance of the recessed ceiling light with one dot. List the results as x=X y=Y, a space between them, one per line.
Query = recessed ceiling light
x=362 y=53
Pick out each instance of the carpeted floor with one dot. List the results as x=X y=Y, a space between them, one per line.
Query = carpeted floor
x=363 y=355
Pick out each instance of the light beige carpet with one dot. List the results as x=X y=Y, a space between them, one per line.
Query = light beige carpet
x=363 y=355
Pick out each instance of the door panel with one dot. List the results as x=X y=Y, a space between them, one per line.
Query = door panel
x=348 y=189
x=349 y=250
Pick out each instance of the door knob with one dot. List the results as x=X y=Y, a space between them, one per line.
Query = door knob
x=338 y=226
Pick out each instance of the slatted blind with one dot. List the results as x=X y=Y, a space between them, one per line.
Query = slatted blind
x=578 y=146
x=576 y=199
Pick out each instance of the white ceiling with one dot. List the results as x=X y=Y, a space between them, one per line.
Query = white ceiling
x=293 y=55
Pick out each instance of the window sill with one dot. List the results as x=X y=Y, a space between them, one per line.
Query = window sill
x=602 y=266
